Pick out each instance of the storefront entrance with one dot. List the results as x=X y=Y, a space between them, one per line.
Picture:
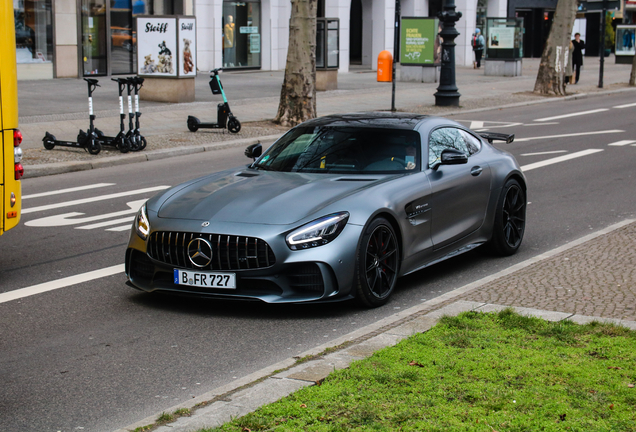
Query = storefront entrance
x=241 y=34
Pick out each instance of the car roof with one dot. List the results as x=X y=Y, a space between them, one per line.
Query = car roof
x=386 y=120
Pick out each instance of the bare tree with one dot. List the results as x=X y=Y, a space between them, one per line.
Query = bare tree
x=632 y=76
x=554 y=58
x=298 y=95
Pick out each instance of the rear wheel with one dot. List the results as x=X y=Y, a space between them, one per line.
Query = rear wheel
x=377 y=264
x=193 y=124
x=510 y=219
x=49 y=141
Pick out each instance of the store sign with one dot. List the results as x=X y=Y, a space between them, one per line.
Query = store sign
x=156 y=46
x=419 y=41
x=255 y=43
x=248 y=29
x=187 y=47
x=501 y=37
x=166 y=47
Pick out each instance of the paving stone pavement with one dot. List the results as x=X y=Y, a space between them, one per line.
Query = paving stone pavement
x=597 y=278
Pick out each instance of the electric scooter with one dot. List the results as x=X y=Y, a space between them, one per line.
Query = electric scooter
x=134 y=145
x=140 y=140
x=88 y=141
x=120 y=141
x=225 y=119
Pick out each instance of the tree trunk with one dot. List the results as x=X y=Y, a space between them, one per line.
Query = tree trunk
x=632 y=76
x=556 y=51
x=298 y=95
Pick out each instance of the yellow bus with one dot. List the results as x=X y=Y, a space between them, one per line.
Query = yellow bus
x=11 y=170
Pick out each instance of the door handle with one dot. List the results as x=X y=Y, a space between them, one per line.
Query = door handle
x=475 y=171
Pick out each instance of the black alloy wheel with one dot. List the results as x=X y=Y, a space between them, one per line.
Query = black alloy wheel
x=377 y=263
x=510 y=220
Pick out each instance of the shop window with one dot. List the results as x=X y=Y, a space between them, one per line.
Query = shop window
x=241 y=35
x=33 y=31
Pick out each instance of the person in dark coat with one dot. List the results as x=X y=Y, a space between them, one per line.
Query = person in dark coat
x=577 y=55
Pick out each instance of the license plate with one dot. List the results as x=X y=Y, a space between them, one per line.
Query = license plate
x=205 y=279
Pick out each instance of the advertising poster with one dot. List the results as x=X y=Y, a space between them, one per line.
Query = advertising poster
x=419 y=41
x=501 y=38
x=187 y=47
x=156 y=46
x=625 y=40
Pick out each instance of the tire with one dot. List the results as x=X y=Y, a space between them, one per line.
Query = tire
x=377 y=264
x=48 y=141
x=510 y=219
x=193 y=124
x=233 y=125
x=134 y=143
x=144 y=143
x=123 y=145
x=94 y=147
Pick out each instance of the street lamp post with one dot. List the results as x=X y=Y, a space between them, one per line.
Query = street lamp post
x=447 y=94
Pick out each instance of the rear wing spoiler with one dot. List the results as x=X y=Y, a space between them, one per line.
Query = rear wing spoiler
x=492 y=136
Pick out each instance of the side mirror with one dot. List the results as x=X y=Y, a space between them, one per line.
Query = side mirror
x=451 y=157
x=253 y=151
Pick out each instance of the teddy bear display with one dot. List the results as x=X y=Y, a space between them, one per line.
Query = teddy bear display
x=188 y=66
x=149 y=65
x=165 y=64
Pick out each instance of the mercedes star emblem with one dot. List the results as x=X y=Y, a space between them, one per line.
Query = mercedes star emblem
x=200 y=252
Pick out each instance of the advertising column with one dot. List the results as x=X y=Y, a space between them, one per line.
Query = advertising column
x=166 y=57
x=420 y=49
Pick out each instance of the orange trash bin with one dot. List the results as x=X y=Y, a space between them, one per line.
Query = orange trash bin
x=385 y=66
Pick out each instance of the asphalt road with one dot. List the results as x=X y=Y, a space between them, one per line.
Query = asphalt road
x=98 y=355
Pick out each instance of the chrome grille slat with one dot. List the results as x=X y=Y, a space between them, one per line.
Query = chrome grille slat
x=171 y=247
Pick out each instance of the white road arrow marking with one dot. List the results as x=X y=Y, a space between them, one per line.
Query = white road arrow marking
x=109 y=223
x=581 y=113
x=564 y=158
x=120 y=228
x=66 y=219
x=570 y=135
x=93 y=199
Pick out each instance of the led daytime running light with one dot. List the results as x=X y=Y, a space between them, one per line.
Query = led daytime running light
x=318 y=232
x=141 y=223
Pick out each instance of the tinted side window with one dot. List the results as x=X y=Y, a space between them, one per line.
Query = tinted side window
x=473 y=145
x=443 y=139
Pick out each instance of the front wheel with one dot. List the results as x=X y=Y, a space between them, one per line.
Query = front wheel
x=377 y=264
x=94 y=147
x=124 y=145
x=143 y=143
x=233 y=125
x=510 y=219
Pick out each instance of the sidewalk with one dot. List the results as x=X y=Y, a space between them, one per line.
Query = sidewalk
x=590 y=279
x=254 y=97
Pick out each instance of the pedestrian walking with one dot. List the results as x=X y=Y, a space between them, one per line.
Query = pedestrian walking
x=577 y=56
x=478 y=47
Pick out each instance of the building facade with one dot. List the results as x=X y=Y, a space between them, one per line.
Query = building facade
x=77 y=38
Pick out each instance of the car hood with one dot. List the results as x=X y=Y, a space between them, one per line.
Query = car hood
x=262 y=197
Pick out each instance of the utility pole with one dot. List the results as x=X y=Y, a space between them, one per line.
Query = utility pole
x=396 y=49
x=600 y=71
x=447 y=94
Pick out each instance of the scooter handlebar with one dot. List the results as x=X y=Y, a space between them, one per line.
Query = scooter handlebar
x=215 y=71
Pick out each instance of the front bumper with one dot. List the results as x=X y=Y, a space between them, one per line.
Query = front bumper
x=319 y=274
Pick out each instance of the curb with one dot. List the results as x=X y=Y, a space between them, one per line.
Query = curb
x=238 y=397
x=32 y=171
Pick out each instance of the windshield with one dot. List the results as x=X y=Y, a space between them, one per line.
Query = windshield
x=344 y=150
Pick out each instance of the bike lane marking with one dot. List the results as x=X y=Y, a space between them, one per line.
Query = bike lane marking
x=558 y=159
x=562 y=116
x=63 y=191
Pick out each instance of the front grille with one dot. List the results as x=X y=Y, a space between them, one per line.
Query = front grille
x=228 y=252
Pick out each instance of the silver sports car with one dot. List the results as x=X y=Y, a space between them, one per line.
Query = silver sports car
x=339 y=207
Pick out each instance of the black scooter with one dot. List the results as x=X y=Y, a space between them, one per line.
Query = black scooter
x=225 y=119
x=88 y=141
x=120 y=141
x=139 y=140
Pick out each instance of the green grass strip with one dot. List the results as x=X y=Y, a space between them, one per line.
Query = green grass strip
x=474 y=372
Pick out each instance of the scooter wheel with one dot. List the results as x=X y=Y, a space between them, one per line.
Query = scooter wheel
x=49 y=145
x=124 y=145
x=48 y=141
x=144 y=143
x=94 y=147
x=134 y=143
x=233 y=125
x=192 y=125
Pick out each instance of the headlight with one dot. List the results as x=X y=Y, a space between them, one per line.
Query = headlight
x=141 y=223
x=317 y=233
